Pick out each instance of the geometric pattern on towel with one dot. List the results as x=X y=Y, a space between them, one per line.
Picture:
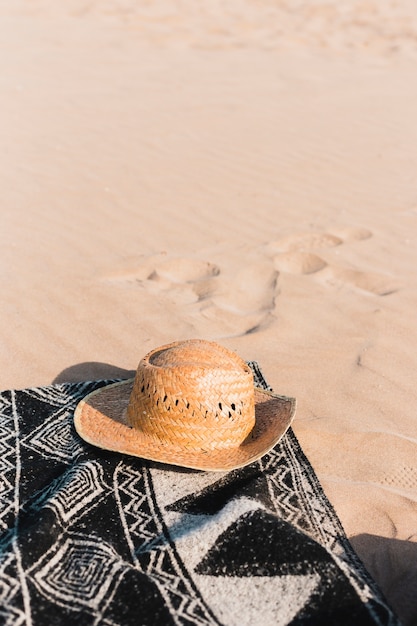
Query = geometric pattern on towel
x=97 y=538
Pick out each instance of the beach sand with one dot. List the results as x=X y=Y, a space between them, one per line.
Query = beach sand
x=243 y=172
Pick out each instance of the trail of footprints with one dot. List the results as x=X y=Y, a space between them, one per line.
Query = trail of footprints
x=296 y=255
x=224 y=304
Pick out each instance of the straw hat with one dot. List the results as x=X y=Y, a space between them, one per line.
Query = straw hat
x=191 y=404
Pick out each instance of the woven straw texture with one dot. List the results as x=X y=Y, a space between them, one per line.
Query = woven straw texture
x=195 y=394
x=193 y=406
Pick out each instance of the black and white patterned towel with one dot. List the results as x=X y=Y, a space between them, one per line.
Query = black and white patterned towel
x=89 y=537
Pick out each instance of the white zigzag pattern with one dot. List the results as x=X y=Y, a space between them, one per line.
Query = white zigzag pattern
x=136 y=511
x=9 y=589
x=9 y=585
x=185 y=605
x=282 y=493
x=188 y=608
x=10 y=616
x=7 y=461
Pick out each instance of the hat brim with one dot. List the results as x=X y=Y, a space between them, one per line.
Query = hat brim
x=100 y=419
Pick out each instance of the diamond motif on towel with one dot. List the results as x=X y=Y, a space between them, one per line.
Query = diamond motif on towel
x=78 y=572
x=75 y=493
x=54 y=439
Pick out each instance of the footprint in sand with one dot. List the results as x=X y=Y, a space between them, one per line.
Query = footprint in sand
x=298 y=262
x=366 y=281
x=352 y=234
x=160 y=267
x=184 y=280
x=244 y=302
x=294 y=255
x=181 y=270
x=303 y=242
x=181 y=280
x=213 y=304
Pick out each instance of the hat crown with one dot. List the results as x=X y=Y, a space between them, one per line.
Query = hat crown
x=194 y=353
x=194 y=394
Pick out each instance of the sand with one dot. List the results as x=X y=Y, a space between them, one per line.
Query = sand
x=243 y=172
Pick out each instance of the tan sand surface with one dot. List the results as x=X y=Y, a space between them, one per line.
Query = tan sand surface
x=242 y=171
